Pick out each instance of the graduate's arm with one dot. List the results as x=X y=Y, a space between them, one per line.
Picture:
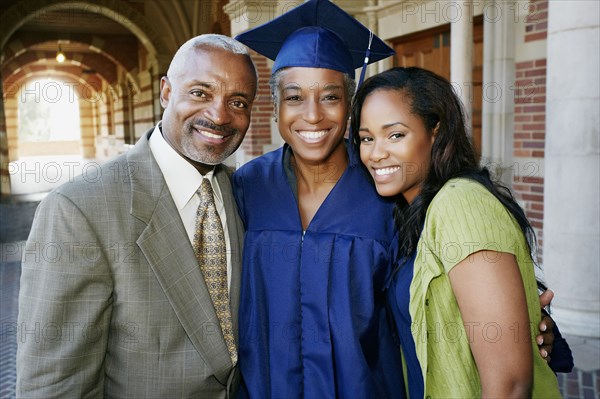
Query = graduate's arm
x=551 y=343
x=545 y=339
x=489 y=291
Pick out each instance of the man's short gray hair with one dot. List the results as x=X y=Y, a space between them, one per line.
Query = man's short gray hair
x=214 y=41
x=209 y=41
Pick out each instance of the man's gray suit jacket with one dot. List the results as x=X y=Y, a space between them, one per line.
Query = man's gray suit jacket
x=112 y=300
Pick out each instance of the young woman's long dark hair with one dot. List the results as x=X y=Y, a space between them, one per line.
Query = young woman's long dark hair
x=433 y=100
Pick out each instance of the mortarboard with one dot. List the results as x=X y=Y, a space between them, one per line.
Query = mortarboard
x=317 y=34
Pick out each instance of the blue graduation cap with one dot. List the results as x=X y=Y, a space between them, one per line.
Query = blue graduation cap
x=317 y=34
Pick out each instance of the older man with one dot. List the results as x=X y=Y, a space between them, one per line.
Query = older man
x=141 y=299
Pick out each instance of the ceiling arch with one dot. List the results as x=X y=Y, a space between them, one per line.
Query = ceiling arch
x=88 y=63
x=116 y=10
x=120 y=50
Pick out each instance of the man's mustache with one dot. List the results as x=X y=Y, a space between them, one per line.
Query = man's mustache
x=211 y=126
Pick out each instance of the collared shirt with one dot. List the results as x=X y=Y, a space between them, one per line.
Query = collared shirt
x=183 y=181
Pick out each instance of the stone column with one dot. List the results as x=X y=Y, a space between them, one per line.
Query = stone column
x=498 y=106
x=88 y=132
x=11 y=120
x=571 y=214
x=461 y=52
x=4 y=175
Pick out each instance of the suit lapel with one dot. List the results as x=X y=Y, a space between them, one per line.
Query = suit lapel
x=167 y=249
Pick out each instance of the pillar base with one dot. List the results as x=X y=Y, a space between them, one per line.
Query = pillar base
x=577 y=322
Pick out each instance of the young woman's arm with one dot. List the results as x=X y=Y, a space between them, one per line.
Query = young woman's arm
x=491 y=298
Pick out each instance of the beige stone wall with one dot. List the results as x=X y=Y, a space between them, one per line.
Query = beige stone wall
x=4 y=173
x=11 y=114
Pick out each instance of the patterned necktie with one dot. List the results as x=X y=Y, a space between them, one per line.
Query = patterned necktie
x=211 y=252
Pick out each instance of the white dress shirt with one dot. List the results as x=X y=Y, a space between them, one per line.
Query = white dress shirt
x=183 y=180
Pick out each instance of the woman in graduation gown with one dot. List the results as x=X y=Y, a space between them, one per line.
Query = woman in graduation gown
x=312 y=316
x=313 y=320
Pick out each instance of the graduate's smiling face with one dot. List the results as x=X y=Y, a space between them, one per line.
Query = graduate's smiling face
x=312 y=110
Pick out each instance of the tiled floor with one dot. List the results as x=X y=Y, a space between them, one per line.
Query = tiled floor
x=16 y=215
x=580 y=384
x=9 y=289
x=583 y=382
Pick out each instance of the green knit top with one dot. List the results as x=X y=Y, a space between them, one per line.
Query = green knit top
x=464 y=218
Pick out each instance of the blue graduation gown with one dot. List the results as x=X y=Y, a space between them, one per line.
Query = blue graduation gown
x=312 y=312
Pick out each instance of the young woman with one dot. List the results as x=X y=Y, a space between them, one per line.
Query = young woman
x=463 y=292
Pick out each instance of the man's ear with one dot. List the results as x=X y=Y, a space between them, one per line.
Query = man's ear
x=165 y=91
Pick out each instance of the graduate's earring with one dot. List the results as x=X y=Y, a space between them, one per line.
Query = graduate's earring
x=435 y=132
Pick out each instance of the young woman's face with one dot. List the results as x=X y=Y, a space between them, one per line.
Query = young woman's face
x=394 y=144
x=312 y=112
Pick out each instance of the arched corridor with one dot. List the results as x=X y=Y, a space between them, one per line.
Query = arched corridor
x=112 y=58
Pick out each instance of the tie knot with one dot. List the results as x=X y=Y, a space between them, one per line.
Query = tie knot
x=205 y=192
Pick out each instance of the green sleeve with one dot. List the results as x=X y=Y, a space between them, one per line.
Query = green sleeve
x=465 y=218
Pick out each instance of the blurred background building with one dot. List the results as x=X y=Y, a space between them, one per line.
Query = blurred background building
x=80 y=82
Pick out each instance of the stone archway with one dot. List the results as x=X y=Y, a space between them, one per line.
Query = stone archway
x=13 y=17
x=91 y=95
